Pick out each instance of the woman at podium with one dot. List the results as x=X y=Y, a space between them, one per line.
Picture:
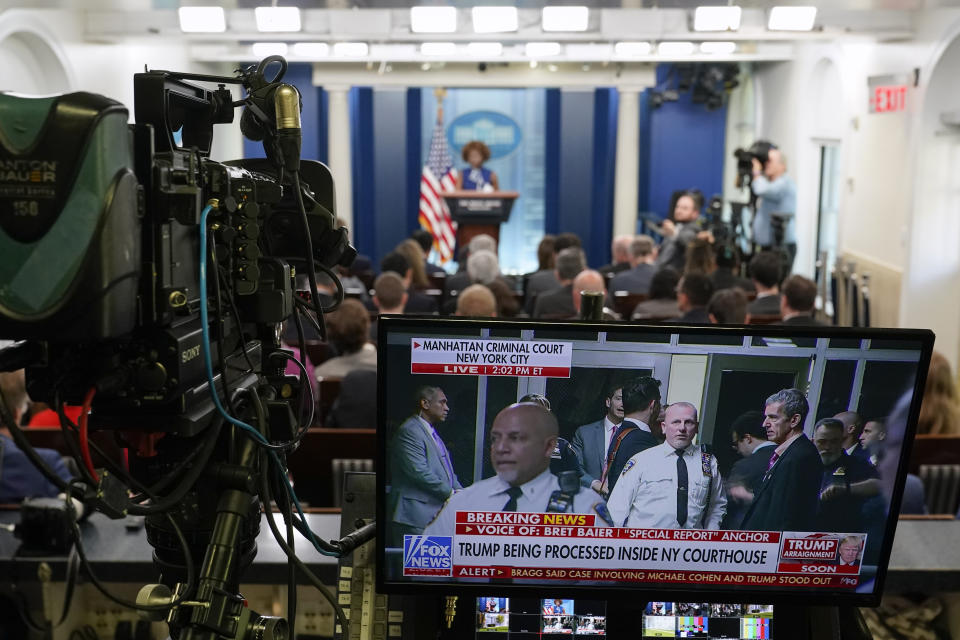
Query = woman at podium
x=476 y=177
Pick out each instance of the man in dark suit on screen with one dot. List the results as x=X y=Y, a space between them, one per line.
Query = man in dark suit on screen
x=788 y=495
x=639 y=430
x=749 y=439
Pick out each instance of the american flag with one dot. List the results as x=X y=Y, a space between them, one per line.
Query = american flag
x=439 y=175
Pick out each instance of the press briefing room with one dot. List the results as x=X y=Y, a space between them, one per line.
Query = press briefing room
x=374 y=320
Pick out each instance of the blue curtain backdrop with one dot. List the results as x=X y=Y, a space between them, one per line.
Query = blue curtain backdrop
x=521 y=169
x=681 y=147
x=581 y=153
x=313 y=116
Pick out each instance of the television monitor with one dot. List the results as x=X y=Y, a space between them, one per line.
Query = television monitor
x=481 y=484
x=529 y=618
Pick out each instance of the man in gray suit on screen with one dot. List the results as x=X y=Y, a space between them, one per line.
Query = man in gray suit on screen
x=591 y=441
x=423 y=475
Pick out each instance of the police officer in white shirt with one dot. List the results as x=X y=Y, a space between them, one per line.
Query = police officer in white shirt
x=673 y=485
x=522 y=441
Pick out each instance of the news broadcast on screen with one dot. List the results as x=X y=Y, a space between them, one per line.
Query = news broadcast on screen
x=657 y=458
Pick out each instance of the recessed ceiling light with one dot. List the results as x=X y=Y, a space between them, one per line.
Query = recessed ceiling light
x=791 y=18
x=632 y=48
x=277 y=19
x=675 y=48
x=202 y=20
x=351 y=49
x=311 y=49
x=716 y=19
x=433 y=19
x=718 y=48
x=542 y=49
x=565 y=18
x=494 y=19
x=485 y=49
x=438 y=48
x=264 y=49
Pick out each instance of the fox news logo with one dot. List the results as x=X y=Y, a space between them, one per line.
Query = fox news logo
x=427 y=555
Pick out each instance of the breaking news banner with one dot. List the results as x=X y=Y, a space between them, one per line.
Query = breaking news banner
x=468 y=357
x=570 y=547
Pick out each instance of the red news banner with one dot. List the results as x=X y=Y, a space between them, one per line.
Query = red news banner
x=480 y=357
x=565 y=546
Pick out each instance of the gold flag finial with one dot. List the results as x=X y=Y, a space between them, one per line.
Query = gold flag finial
x=440 y=94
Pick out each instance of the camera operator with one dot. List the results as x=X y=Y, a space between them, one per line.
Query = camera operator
x=777 y=195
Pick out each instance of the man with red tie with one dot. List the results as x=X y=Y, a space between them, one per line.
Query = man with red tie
x=788 y=494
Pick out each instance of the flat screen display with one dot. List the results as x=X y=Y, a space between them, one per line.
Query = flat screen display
x=521 y=618
x=703 y=620
x=714 y=462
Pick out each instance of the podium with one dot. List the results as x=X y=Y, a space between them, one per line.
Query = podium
x=477 y=212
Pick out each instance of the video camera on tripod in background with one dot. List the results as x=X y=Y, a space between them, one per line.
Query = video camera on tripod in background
x=108 y=233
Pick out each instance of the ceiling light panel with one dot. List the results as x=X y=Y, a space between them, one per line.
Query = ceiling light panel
x=718 y=47
x=494 y=19
x=792 y=18
x=485 y=49
x=264 y=49
x=433 y=19
x=675 y=48
x=716 y=18
x=565 y=18
x=311 y=49
x=543 y=49
x=631 y=49
x=351 y=49
x=202 y=20
x=438 y=48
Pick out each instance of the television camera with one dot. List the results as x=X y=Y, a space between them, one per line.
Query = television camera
x=148 y=284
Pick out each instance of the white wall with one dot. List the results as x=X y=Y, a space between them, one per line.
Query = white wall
x=104 y=68
x=899 y=203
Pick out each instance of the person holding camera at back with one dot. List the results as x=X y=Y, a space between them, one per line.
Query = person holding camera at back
x=774 y=227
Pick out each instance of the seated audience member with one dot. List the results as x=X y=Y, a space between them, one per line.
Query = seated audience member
x=507 y=304
x=728 y=306
x=680 y=230
x=590 y=280
x=764 y=270
x=483 y=267
x=700 y=257
x=621 y=254
x=389 y=296
x=476 y=301
x=662 y=304
x=693 y=296
x=356 y=404
x=416 y=301
x=726 y=275
x=410 y=249
x=797 y=299
x=425 y=239
x=558 y=302
x=19 y=479
x=643 y=254
x=543 y=281
x=348 y=329
x=940 y=408
x=461 y=280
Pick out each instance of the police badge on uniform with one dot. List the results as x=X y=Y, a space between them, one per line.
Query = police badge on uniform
x=628 y=466
x=840 y=471
x=705 y=460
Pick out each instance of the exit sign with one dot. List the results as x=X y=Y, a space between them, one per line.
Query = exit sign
x=888 y=94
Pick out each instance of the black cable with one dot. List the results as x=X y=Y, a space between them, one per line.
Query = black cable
x=302 y=344
x=320 y=328
x=311 y=577
x=69 y=441
x=340 y=292
x=188 y=560
x=232 y=305
x=311 y=267
x=221 y=347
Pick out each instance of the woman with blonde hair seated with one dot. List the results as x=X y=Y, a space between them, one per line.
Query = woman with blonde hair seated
x=940 y=410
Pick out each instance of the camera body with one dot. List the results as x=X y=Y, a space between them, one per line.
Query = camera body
x=760 y=151
x=100 y=220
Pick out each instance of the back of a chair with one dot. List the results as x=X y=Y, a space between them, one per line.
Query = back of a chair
x=625 y=302
x=772 y=318
x=941 y=483
x=340 y=466
x=328 y=392
x=437 y=280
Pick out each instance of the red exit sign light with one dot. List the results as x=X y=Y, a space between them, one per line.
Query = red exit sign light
x=888 y=99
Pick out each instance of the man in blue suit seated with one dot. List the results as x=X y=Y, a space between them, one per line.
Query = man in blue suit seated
x=423 y=475
x=591 y=441
x=19 y=479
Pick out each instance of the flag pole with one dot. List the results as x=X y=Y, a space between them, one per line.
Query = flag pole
x=440 y=93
